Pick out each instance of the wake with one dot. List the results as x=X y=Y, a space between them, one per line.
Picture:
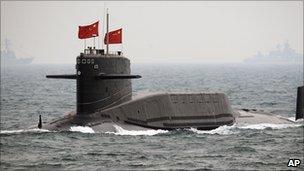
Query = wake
x=36 y=130
x=235 y=129
x=149 y=132
x=222 y=130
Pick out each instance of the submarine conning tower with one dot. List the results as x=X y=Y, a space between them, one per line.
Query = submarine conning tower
x=102 y=80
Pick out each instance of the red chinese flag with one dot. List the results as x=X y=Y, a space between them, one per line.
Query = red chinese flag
x=115 y=37
x=88 y=31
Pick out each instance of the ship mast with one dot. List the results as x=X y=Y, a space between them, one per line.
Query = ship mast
x=6 y=45
x=107 y=33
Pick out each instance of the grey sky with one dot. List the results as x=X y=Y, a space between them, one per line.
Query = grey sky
x=155 y=31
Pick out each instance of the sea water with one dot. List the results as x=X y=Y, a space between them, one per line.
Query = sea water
x=26 y=94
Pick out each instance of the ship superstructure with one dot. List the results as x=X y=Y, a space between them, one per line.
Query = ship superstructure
x=283 y=54
x=8 y=56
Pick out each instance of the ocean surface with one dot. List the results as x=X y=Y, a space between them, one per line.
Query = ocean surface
x=26 y=94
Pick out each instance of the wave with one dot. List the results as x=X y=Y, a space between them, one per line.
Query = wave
x=268 y=125
x=293 y=119
x=222 y=130
x=149 y=132
x=234 y=129
x=36 y=130
x=23 y=131
x=82 y=129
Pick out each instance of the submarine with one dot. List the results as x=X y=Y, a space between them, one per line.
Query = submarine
x=104 y=95
x=104 y=99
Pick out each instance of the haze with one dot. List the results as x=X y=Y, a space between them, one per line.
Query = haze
x=154 y=31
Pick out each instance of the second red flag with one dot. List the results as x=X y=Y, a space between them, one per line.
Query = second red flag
x=115 y=37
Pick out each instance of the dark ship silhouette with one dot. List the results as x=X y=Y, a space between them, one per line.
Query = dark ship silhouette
x=9 y=58
x=104 y=99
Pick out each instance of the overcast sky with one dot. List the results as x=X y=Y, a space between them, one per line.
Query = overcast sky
x=154 y=31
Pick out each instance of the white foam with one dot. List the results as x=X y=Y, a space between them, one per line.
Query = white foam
x=22 y=131
x=268 y=125
x=222 y=130
x=234 y=129
x=83 y=129
x=293 y=119
x=149 y=132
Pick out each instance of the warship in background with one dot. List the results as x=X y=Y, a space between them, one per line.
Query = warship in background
x=8 y=56
x=283 y=54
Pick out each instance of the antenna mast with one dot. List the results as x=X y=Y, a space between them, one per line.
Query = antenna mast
x=103 y=25
x=107 y=32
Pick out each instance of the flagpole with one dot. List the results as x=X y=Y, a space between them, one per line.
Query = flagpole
x=98 y=42
x=103 y=26
x=85 y=44
x=94 y=41
x=121 y=47
x=121 y=42
x=107 y=32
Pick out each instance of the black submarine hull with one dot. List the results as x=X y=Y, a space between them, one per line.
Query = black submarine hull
x=203 y=111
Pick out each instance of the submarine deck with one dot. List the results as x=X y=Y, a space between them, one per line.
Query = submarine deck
x=175 y=115
x=258 y=117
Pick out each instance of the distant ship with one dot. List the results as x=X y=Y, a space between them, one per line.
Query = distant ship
x=283 y=54
x=9 y=58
